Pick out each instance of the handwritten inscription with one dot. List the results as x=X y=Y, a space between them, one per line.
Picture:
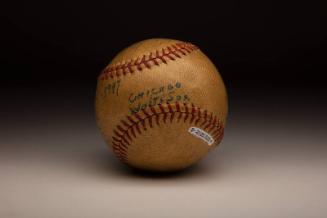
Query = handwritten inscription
x=112 y=88
x=171 y=92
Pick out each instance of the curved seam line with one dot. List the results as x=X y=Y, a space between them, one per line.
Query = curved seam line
x=121 y=145
x=140 y=63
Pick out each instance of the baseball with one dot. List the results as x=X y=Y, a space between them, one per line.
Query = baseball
x=161 y=105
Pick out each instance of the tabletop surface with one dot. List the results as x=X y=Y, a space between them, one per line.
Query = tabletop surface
x=57 y=165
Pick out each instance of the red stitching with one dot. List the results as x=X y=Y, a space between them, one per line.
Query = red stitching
x=192 y=114
x=124 y=132
x=148 y=60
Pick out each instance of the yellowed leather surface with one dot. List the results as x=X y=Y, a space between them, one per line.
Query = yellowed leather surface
x=148 y=98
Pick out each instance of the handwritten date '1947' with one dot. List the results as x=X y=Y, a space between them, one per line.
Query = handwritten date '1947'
x=112 y=88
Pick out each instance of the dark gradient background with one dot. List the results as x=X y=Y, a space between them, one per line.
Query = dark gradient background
x=271 y=163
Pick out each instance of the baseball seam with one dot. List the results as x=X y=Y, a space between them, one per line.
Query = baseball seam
x=125 y=132
x=161 y=56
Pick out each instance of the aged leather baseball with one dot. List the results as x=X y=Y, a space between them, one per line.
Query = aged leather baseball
x=161 y=105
